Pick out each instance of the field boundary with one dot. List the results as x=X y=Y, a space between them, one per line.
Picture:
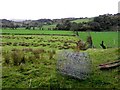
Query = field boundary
x=37 y=34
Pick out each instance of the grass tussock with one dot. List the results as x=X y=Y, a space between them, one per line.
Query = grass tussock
x=17 y=57
x=7 y=58
x=51 y=54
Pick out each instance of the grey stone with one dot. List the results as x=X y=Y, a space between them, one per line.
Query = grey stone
x=75 y=64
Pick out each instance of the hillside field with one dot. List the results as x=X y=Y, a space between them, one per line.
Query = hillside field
x=82 y=20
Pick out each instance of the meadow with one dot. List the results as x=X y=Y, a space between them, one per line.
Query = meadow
x=29 y=59
x=110 y=38
x=83 y=20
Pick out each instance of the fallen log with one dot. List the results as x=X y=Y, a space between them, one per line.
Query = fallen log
x=110 y=65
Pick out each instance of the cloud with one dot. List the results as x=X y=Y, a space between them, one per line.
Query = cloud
x=35 y=9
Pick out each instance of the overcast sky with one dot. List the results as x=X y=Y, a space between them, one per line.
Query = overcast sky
x=36 y=9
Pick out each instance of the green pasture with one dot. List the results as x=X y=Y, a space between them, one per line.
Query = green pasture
x=82 y=20
x=110 y=38
x=48 y=26
x=32 y=32
x=38 y=41
x=38 y=70
x=42 y=72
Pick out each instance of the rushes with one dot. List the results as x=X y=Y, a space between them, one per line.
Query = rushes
x=22 y=57
x=6 y=58
x=14 y=57
x=38 y=53
x=17 y=57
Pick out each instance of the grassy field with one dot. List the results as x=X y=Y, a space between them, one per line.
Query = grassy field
x=32 y=32
x=29 y=61
x=82 y=20
x=38 y=70
x=48 y=26
x=110 y=38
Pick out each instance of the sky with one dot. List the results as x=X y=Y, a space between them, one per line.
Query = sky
x=53 y=9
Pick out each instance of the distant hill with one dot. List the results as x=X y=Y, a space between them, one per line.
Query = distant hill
x=17 y=20
x=106 y=22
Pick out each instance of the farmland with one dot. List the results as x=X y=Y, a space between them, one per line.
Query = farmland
x=36 y=32
x=82 y=20
x=30 y=57
x=110 y=38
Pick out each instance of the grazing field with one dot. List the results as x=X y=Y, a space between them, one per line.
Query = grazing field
x=45 y=27
x=35 y=32
x=29 y=61
x=38 y=41
x=110 y=38
x=82 y=20
x=42 y=73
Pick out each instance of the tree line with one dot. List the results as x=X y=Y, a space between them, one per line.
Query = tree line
x=106 y=22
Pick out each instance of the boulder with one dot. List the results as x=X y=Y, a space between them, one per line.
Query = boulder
x=74 y=64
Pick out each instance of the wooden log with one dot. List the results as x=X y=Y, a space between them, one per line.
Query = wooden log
x=110 y=65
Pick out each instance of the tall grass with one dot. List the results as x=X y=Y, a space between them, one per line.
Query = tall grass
x=7 y=57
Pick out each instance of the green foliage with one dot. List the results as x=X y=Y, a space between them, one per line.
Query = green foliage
x=107 y=21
